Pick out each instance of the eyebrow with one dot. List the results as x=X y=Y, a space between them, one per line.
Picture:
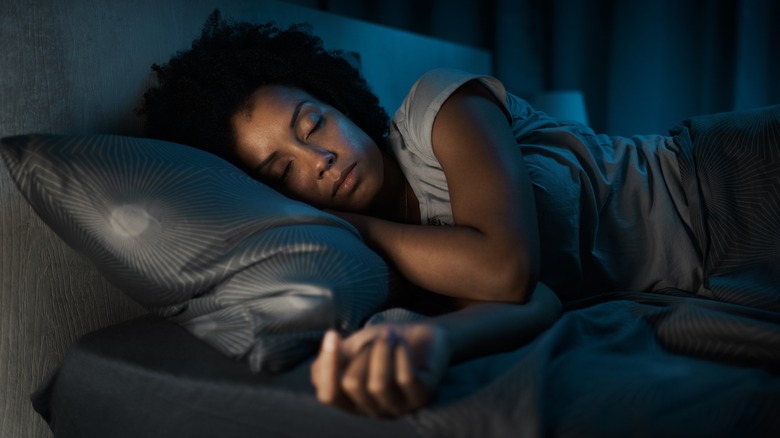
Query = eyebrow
x=295 y=113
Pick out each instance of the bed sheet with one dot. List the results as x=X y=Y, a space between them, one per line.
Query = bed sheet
x=620 y=364
x=624 y=364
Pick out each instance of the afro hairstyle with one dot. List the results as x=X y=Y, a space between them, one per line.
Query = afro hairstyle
x=200 y=89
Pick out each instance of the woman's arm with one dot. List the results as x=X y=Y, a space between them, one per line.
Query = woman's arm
x=491 y=254
x=392 y=369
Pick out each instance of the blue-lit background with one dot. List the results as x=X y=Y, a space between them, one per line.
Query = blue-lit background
x=643 y=65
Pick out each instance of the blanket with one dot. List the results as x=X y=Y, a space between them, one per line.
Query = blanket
x=667 y=363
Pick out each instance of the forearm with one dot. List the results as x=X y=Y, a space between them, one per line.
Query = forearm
x=489 y=328
x=456 y=261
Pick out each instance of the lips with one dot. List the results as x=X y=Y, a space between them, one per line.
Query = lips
x=346 y=180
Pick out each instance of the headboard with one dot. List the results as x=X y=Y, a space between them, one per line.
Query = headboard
x=81 y=66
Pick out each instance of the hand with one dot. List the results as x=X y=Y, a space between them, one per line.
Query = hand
x=383 y=371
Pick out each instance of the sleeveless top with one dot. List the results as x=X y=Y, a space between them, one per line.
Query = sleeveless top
x=612 y=211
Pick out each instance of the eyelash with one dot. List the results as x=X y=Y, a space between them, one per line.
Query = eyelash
x=315 y=127
x=288 y=168
x=286 y=172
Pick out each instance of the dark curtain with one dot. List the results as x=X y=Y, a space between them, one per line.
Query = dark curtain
x=642 y=65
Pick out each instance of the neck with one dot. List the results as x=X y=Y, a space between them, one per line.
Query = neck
x=396 y=200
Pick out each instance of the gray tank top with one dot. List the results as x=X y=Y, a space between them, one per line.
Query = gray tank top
x=612 y=211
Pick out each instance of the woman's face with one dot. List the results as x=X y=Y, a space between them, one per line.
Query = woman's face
x=308 y=150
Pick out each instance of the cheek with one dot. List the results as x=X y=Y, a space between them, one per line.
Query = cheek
x=301 y=189
x=362 y=145
x=349 y=135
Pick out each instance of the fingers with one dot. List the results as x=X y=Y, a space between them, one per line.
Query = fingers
x=413 y=391
x=358 y=341
x=326 y=370
x=368 y=379
x=373 y=375
x=381 y=380
x=353 y=383
x=381 y=385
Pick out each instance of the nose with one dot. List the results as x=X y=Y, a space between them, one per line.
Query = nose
x=323 y=161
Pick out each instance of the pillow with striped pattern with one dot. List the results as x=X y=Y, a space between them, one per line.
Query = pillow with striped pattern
x=193 y=238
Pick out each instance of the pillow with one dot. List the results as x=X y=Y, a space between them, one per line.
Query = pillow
x=193 y=238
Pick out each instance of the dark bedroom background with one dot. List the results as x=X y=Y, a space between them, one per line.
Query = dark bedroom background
x=642 y=65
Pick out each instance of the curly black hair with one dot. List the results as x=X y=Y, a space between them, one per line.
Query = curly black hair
x=199 y=90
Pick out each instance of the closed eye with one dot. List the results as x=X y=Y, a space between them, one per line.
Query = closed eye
x=316 y=126
x=286 y=172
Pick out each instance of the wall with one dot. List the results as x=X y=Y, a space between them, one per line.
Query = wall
x=643 y=65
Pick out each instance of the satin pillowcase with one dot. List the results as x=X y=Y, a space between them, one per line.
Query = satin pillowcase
x=193 y=238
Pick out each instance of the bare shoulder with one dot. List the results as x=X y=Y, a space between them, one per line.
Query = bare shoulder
x=488 y=182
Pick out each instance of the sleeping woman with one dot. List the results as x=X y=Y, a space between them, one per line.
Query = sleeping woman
x=474 y=197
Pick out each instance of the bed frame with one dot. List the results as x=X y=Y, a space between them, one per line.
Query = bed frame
x=81 y=66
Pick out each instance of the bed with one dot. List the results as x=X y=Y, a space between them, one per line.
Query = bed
x=82 y=357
